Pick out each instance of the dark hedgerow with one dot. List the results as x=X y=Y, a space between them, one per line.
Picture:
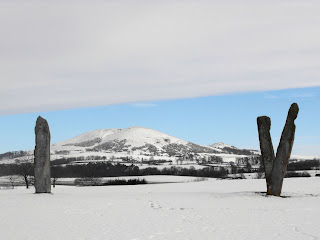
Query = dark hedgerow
x=91 y=171
x=87 y=181
x=125 y=182
x=297 y=174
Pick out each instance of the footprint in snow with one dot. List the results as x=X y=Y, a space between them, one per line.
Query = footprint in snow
x=154 y=205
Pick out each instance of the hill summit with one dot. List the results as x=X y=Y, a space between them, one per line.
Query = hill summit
x=132 y=139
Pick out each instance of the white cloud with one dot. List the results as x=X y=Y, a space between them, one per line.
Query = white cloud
x=67 y=54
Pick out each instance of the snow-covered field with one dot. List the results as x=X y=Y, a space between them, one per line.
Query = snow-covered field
x=212 y=209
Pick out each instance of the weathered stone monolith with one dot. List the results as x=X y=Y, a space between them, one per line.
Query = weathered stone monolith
x=42 y=180
x=276 y=167
x=267 y=152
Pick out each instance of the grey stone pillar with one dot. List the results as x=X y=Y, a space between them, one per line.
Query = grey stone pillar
x=266 y=147
x=284 y=151
x=42 y=180
x=276 y=167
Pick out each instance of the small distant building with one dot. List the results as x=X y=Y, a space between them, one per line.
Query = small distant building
x=180 y=158
x=219 y=166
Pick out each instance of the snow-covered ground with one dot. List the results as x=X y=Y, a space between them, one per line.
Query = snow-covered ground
x=212 y=209
x=304 y=157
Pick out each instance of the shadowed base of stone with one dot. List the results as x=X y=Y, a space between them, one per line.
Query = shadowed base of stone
x=37 y=193
x=264 y=194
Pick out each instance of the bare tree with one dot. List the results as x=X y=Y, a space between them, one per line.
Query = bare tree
x=25 y=170
x=55 y=175
x=12 y=179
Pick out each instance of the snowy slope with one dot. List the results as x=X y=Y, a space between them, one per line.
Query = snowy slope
x=100 y=133
x=136 y=138
x=221 y=145
x=139 y=136
x=226 y=148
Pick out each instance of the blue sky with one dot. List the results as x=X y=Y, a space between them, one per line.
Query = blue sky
x=227 y=118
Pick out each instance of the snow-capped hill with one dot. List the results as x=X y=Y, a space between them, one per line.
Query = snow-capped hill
x=222 y=145
x=139 y=136
x=134 y=136
x=130 y=139
x=137 y=140
x=88 y=136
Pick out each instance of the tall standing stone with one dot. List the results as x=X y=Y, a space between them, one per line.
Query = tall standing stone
x=266 y=147
x=284 y=151
x=42 y=180
x=276 y=166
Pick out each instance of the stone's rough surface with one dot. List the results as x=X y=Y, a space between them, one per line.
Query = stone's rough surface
x=267 y=152
x=284 y=151
x=42 y=180
x=276 y=167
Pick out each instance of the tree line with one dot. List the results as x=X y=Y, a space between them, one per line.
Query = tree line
x=61 y=169
x=104 y=169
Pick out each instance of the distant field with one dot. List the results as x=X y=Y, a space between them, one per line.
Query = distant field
x=152 y=179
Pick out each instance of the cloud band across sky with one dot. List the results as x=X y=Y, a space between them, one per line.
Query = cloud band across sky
x=68 y=54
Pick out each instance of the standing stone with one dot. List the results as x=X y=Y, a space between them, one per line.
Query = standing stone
x=276 y=167
x=42 y=180
x=267 y=152
x=284 y=151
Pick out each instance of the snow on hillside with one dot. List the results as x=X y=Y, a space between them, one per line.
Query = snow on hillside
x=212 y=209
x=133 y=137
x=135 y=140
x=139 y=136
x=221 y=145
x=100 y=133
